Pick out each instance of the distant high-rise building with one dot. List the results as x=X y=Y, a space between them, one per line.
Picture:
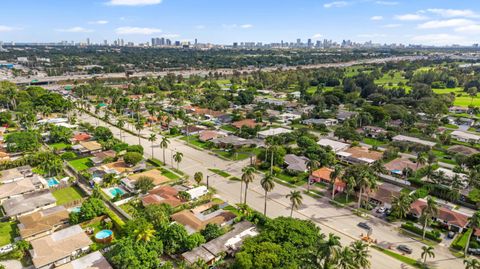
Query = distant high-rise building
x=177 y=43
x=153 y=42
x=88 y=41
x=309 y=42
x=168 y=42
x=235 y=44
x=299 y=41
x=196 y=42
x=105 y=42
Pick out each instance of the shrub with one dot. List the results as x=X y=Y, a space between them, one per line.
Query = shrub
x=117 y=221
x=461 y=241
x=135 y=148
x=432 y=235
x=68 y=155
x=132 y=158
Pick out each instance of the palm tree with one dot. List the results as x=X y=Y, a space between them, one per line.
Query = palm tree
x=329 y=250
x=474 y=224
x=360 y=254
x=345 y=259
x=471 y=263
x=401 y=205
x=120 y=124
x=365 y=181
x=152 y=138
x=268 y=184
x=427 y=252
x=429 y=211
x=139 y=127
x=247 y=177
x=296 y=200
x=244 y=209
x=350 y=188
x=177 y=157
x=311 y=165
x=421 y=159
x=333 y=177
x=198 y=177
x=145 y=234
x=164 y=144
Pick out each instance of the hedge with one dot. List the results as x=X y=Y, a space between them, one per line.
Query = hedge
x=117 y=221
x=432 y=235
x=461 y=241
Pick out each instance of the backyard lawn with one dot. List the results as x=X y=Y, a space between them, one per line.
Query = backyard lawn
x=67 y=195
x=59 y=146
x=81 y=164
x=169 y=174
x=193 y=139
x=7 y=232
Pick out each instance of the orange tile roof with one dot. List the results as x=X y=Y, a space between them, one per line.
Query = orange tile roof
x=82 y=137
x=162 y=195
x=246 y=122
x=451 y=217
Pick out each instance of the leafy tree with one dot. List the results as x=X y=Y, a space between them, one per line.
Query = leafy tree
x=102 y=133
x=144 y=184
x=198 y=177
x=60 y=134
x=135 y=148
x=347 y=133
x=401 y=205
x=129 y=253
x=132 y=158
x=91 y=208
x=23 y=141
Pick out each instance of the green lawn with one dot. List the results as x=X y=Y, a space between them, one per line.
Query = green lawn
x=398 y=256
x=373 y=142
x=67 y=195
x=59 y=146
x=294 y=180
x=7 y=232
x=169 y=174
x=386 y=79
x=220 y=172
x=229 y=128
x=193 y=139
x=81 y=164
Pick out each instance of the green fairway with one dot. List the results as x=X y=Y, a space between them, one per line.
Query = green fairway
x=387 y=78
x=81 y=164
x=67 y=195
x=7 y=232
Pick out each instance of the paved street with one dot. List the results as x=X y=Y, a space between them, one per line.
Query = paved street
x=329 y=218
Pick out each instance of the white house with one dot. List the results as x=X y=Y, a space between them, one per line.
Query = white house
x=273 y=132
x=465 y=137
x=197 y=192
x=336 y=146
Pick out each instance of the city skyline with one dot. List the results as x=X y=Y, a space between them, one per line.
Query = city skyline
x=427 y=23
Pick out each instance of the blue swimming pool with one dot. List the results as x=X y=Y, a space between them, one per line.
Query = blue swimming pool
x=76 y=209
x=52 y=182
x=103 y=234
x=116 y=191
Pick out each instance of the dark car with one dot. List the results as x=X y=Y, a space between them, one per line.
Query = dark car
x=364 y=225
x=405 y=248
x=451 y=235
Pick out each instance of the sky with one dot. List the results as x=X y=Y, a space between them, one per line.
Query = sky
x=429 y=22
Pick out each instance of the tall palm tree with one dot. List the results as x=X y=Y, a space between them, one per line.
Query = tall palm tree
x=364 y=181
x=164 y=145
x=152 y=138
x=248 y=175
x=177 y=157
x=429 y=211
x=268 y=184
x=474 y=224
x=120 y=124
x=296 y=200
x=471 y=263
x=198 y=177
x=345 y=259
x=360 y=254
x=421 y=159
x=427 y=252
x=329 y=250
x=312 y=165
x=401 y=205
x=139 y=126
x=350 y=188
x=337 y=171
x=145 y=234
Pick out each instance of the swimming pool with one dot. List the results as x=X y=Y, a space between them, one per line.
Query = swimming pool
x=116 y=191
x=103 y=234
x=52 y=182
x=76 y=209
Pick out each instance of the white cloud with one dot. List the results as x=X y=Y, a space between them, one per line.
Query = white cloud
x=76 y=29
x=4 y=28
x=473 y=29
x=98 y=22
x=411 y=17
x=438 y=39
x=386 y=3
x=450 y=13
x=317 y=36
x=392 y=25
x=128 y=30
x=371 y=35
x=435 y=24
x=336 y=4
x=376 y=18
x=200 y=26
x=133 y=2
x=246 y=26
x=170 y=35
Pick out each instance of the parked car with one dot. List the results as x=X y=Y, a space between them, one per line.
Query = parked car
x=405 y=248
x=381 y=210
x=364 y=225
x=451 y=235
x=474 y=251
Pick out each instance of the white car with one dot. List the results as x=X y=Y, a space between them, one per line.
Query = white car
x=381 y=210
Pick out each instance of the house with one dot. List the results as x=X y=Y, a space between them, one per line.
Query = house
x=197 y=218
x=16 y=188
x=228 y=244
x=458 y=109
x=197 y=192
x=235 y=141
x=326 y=122
x=335 y=146
x=404 y=138
x=359 y=155
x=192 y=129
x=246 y=122
x=80 y=137
x=162 y=195
x=463 y=150
x=208 y=135
x=99 y=157
x=373 y=131
x=273 y=132
x=289 y=117
x=465 y=137
x=91 y=146
x=451 y=219
x=448 y=175
x=59 y=247
x=296 y=163
x=396 y=167
x=14 y=174
x=343 y=115
x=28 y=203
x=42 y=223
x=323 y=175
x=94 y=260
x=154 y=174
x=383 y=195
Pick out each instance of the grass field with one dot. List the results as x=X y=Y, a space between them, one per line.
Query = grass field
x=7 y=232
x=59 y=146
x=67 y=195
x=169 y=174
x=398 y=256
x=193 y=139
x=81 y=164
x=386 y=79
x=220 y=172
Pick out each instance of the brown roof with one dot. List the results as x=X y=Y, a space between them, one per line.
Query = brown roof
x=91 y=145
x=246 y=122
x=206 y=111
x=15 y=188
x=400 y=164
x=58 y=245
x=94 y=260
x=82 y=137
x=155 y=174
x=119 y=166
x=208 y=135
x=162 y=195
x=461 y=149
x=362 y=152
x=385 y=193
x=192 y=218
x=42 y=221
x=322 y=173
x=449 y=216
x=105 y=154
